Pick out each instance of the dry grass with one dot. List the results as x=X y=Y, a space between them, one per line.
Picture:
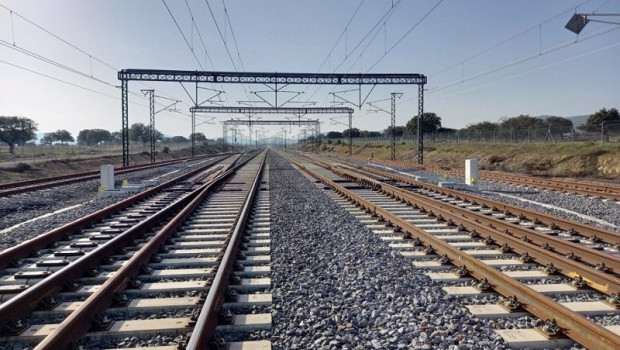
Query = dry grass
x=591 y=160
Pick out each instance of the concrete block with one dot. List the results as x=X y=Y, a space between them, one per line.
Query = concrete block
x=107 y=177
x=471 y=171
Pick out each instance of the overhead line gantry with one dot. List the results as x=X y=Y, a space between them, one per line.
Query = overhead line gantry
x=221 y=77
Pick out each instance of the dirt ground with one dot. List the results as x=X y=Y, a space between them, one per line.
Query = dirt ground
x=20 y=171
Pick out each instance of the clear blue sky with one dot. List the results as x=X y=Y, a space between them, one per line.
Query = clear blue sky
x=484 y=59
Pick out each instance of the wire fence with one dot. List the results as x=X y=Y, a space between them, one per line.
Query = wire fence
x=608 y=133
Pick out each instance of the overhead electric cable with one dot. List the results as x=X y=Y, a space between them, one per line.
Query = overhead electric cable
x=341 y=35
x=494 y=46
x=58 y=64
x=535 y=69
x=386 y=15
x=57 y=79
x=405 y=35
x=529 y=57
x=232 y=32
x=191 y=49
x=199 y=34
x=226 y=46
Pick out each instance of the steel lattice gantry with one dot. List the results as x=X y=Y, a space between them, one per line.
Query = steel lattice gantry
x=271 y=110
x=197 y=77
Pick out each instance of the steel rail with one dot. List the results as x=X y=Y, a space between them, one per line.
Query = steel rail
x=79 y=322
x=204 y=330
x=83 y=173
x=27 y=300
x=574 y=325
x=524 y=181
x=589 y=189
x=61 y=180
x=598 y=280
x=12 y=254
x=562 y=246
x=607 y=236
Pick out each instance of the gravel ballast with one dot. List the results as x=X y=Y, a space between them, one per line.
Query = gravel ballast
x=602 y=209
x=336 y=285
x=19 y=208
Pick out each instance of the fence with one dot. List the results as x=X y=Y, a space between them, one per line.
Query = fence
x=608 y=133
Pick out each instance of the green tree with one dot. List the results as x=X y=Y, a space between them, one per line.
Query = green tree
x=430 y=123
x=93 y=137
x=523 y=127
x=48 y=139
x=139 y=132
x=366 y=133
x=334 y=135
x=559 y=126
x=198 y=137
x=355 y=132
x=116 y=137
x=63 y=136
x=609 y=116
x=179 y=139
x=482 y=127
x=16 y=131
x=398 y=131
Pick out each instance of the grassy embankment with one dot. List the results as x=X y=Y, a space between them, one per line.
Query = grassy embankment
x=578 y=160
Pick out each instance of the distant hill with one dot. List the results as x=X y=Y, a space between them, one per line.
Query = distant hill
x=577 y=120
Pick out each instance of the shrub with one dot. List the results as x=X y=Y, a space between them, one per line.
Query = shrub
x=166 y=150
x=21 y=167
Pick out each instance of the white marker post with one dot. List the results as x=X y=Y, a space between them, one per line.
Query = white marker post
x=471 y=171
x=107 y=177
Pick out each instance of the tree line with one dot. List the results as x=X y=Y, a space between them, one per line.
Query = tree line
x=17 y=131
x=510 y=127
x=20 y=130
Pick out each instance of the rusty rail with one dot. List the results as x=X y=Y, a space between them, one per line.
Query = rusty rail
x=23 y=249
x=601 y=281
x=575 y=326
x=589 y=189
x=607 y=236
x=204 y=331
x=79 y=322
x=12 y=188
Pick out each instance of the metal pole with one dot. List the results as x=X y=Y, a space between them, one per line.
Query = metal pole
x=151 y=94
x=350 y=133
x=193 y=132
x=125 y=121
x=393 y=124
x=603 y=132
x=420 y=132
x=224 y=136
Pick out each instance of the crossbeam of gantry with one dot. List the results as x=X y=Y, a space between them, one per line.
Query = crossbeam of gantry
x=237 y=122
x=273 y=78
x=220 y=77
x=271 y=110
x=297 y=111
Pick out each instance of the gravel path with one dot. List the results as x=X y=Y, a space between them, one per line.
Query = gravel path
x=337 y=286
x=22 y=207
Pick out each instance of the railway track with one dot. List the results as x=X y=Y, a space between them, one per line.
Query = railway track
x=465 y=241
x=171 y=255
x=597 y=190
x=8 y=189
